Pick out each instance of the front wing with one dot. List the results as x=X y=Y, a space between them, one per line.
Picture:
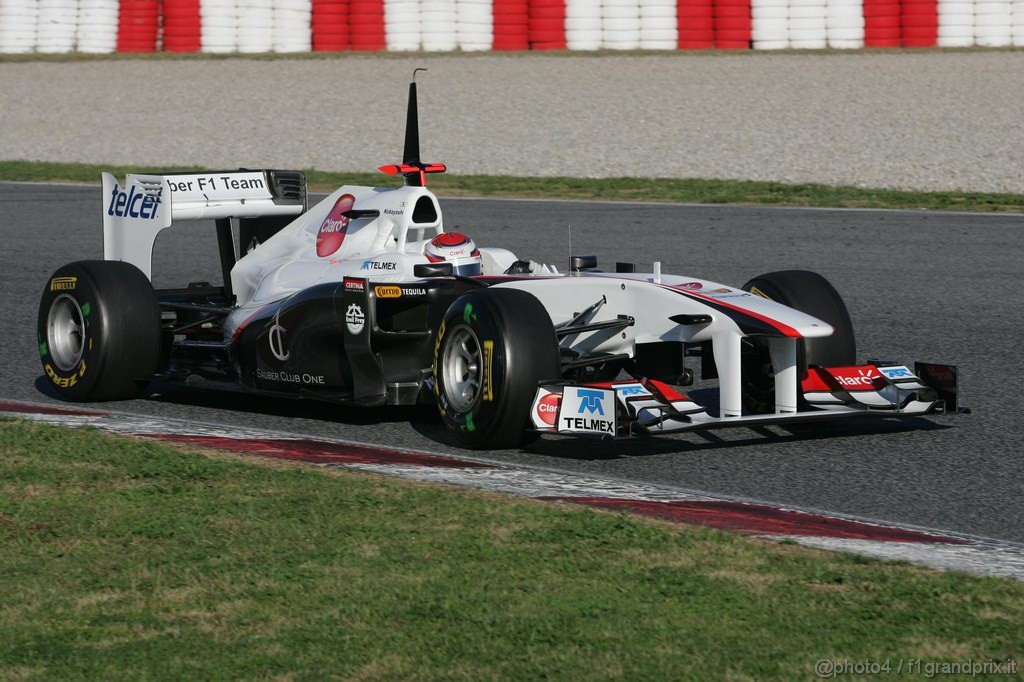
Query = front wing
x=648 y=407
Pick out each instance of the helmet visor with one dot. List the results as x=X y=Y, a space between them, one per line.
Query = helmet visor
x=467 y=268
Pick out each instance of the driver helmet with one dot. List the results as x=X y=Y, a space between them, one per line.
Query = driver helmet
x=457 y=249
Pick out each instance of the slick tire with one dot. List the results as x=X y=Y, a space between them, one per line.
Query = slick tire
x=493 y=348
x=99 y=331
x=809 y=293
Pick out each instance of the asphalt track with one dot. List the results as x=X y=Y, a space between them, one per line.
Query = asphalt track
x=919 y=285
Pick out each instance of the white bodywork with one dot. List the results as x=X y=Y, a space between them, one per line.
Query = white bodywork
x=135 y=214
x=651 y=303
x=383 y=238
x=384 y=248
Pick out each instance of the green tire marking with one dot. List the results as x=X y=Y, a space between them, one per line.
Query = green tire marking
x=43 y=350
x=470 y=426
x=468 y=313
x=86 y=310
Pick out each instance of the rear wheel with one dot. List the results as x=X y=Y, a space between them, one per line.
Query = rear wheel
x=492 y=350
x=809 y=293
x=99 y=330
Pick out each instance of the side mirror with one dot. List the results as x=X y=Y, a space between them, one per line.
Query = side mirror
x=433 y=270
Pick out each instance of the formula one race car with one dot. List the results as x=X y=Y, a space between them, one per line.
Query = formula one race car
x=364 y=299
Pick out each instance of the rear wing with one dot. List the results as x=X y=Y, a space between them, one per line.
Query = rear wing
x=135 y=214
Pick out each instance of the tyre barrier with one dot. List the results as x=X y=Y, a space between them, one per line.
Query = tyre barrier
x=1017 y=22
x=97 y=26
x=438 y=28
x=769 y=24
x=546 y=29
x=882 y=23
x=583 y=25
x=993 y=26
x=367 y=29
x=620 y=25
x=956 y=23
x=844 y=24
x=219 y=28
x=474 y=25
x=403 y=26
x=257 y=26
x=511 y=24
x=181 y=26
x=290 y=24
x=57 y=26
x=659 y=28
x=330 y=25
x=138 y=24
x=732 y=24
x=18 y=26
x=806 y=24
x=919 y=23
x=697 y=24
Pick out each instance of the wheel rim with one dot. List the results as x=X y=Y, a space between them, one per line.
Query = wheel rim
x=462 y=367
x=65 y=332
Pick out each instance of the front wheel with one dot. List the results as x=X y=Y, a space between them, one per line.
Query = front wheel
x=99 y=330
x=809 y=293
x=492 y=350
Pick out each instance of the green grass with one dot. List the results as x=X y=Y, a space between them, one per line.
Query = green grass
x=620 y=189
x=126 y=559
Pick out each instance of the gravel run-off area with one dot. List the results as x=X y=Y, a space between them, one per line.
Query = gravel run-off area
x=922 y=120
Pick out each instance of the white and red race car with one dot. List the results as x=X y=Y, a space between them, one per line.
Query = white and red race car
x=365 y=300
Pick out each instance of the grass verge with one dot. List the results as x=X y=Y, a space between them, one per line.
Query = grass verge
x=129 y=559
x=618 y=189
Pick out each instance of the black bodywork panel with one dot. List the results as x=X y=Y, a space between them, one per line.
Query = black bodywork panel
x=355 y=341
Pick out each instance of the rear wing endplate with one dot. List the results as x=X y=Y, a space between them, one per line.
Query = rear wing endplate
x=133 y=215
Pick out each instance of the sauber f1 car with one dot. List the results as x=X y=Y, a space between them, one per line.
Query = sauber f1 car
x=365 y=300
